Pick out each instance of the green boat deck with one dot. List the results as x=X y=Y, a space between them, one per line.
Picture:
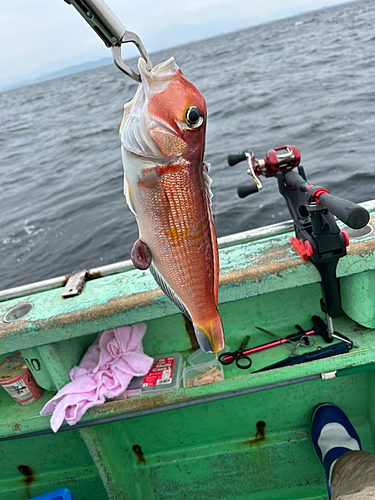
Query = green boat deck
x=246 y=437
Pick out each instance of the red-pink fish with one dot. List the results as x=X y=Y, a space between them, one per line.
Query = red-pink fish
x=168 y=189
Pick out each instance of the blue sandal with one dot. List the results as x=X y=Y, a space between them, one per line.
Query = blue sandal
x=332 y=435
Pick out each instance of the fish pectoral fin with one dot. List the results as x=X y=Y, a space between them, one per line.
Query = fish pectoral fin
x=141 y=255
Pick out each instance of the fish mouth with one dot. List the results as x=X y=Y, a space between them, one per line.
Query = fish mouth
x=143 y=132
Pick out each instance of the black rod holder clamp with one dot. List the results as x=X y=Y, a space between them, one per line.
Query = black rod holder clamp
x=317 y=235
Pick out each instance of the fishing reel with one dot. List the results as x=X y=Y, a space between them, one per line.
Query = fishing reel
x=276 y=160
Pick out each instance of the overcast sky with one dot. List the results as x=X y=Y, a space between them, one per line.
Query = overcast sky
x=42 y=36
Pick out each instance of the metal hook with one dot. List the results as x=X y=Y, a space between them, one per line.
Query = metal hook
x=111 y=30
x=304 y=341
x=117 y=59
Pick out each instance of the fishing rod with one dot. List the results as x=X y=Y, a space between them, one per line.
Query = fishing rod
x=111 y=30
x=312 y=208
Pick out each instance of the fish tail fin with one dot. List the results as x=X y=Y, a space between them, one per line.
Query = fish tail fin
x=210 y=334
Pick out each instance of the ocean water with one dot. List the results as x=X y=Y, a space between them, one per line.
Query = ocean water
x=308 y=80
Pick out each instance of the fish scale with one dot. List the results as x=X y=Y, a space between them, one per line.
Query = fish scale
x=189 y=256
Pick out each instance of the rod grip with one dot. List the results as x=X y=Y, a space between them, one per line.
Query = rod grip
x=244 y=191
x=348 y=212
x=294 y=181
x=236 y=158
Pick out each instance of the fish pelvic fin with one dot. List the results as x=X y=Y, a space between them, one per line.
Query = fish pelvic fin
x=210 y=336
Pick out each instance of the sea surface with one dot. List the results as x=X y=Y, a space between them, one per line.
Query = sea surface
x=308 y=80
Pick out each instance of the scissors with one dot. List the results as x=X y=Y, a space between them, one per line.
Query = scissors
x=242 y=361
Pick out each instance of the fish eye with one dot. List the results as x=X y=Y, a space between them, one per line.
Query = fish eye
x=194 y=117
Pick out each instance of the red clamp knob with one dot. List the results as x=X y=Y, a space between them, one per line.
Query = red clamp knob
x=304 y=249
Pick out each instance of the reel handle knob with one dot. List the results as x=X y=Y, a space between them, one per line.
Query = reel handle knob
x=236 y=158
x=244 y=191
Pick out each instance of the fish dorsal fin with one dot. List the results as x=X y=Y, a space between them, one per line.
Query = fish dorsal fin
x=208 y=182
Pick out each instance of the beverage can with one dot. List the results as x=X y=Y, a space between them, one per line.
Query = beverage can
x=18 y=381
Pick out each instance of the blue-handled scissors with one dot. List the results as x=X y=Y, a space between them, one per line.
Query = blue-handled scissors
x=242 y=361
